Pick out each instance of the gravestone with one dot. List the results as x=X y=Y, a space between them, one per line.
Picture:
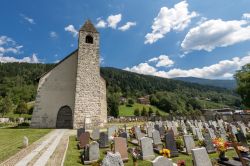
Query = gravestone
x=111 y=131
x=199 y=134
x=91 y=153
x=112 y=159
x=208 y=142
x=95 y=135
x=234 y=129
x=84 y=140
x=211 y=133
x=147 y=148
x=157 y=127
x=171 y=144
x=25 y=142
x=162 y=131
x=189 y=143
x=241 y=138
x=121 y=147
x=104 y=140
x=123 y=135
x=156 y=138
x=174 y=128
x=150 y=131
x=184 y=129
x=193 y=130
x=138 y=133
x=200 y=157
x=243 y=128
x=162 y=161
x=223 y=136
x=79 y=132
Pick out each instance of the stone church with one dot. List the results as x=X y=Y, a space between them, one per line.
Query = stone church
x=73 y=94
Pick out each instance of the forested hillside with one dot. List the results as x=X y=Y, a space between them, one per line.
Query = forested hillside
x=229 y=84
x=18 y=82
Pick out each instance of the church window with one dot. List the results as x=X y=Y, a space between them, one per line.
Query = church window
x=89 y=39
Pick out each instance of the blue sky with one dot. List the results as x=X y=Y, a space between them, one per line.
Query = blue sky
x=166 y=38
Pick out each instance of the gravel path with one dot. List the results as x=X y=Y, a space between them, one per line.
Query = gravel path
x=43 y=152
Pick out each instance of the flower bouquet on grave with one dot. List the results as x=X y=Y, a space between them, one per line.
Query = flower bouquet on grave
x=132 y=132
x=136 y=155
x=181 y=163
x=165 y=152
x=221 y=147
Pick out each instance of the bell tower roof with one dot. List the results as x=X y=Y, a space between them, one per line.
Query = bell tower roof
x=88 y=27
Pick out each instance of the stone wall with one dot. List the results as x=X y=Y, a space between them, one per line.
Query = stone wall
x=55 y=89
x=89 y=87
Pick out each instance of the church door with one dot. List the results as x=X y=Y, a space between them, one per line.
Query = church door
x=64 y=118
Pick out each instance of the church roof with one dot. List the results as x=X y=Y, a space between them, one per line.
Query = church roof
x=88 y=27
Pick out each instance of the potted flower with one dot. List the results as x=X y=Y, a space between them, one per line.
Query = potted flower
x=221 y=147
x=165 y=152
x=181 y=163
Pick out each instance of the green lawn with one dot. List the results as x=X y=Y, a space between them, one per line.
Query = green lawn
x=73 y=156
x=129 y=111
x=11 y=139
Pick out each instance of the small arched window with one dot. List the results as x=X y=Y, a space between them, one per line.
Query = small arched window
x=89 y=39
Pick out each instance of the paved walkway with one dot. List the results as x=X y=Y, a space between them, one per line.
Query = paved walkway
x=49 y=150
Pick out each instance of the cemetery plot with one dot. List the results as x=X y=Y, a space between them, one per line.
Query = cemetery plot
x=114 y=143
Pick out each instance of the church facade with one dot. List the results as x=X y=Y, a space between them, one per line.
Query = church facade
x=73 y=94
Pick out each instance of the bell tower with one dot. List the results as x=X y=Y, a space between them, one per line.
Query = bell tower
x=88 y=80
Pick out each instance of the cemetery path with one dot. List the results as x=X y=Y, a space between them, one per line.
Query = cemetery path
x=48 y=150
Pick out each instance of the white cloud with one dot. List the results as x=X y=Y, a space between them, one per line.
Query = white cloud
x=32 y=59
x=101 y=24
x=71 y=29
x=8 y=45
x=53 y=34
x=177 y=18
x=216 y=33
x=162 y=61
x=28 y=19
x=246 y=16
x=142 y=68
x=224 y=69
x=113 y=20
x=127 y=26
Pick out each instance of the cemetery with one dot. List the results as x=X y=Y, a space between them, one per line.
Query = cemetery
x=152 y=143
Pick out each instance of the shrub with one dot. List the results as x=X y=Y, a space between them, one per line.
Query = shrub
x=24 y=124
x=137 y=112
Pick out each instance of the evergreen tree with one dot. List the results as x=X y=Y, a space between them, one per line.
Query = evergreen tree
x=144 y=112
x=243 y=80
x=5 y=105
x=22 y=108
x=113 y=105
x=137 y=112
x=150 y=111
x=157 y=113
